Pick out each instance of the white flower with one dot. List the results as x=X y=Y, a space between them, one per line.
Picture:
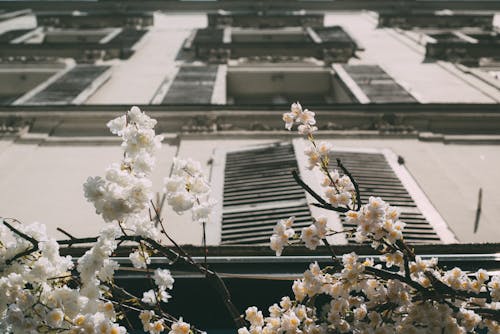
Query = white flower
x=174 y=184
x=140 y=259
x=180 y=201
x=277 y=244
x=306 y=117
x=324 y=149
x=202 y=211
x=144 y=163
x=163 y=279
x=282 y=232
x=290 y=322
x=149 y=297
x=289 y=118
x=189 y=166
x=180 y=327
x=321 y=226
x=310 y=237
x=55 y=317
x=296 y=109
x=136 y=116
x=254 y=316
x=306 y=129
x=314 y=157
x=108 y=310
x=299 y=290
x=146 y=316
x=494 y=286
x=360 y=312
x=199 y=186
x=116 y=174
x=140 y=193
x=157 y=327
x=94 y=188
x=117 y=125
x=107 y=271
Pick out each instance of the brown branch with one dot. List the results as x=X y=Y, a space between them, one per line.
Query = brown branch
x=124 y=293
x=385 y=274
x=212 y=276
x=65 y=233
x=354 y=183
x=490 y=313
x=332 y=252
x=33 y=241
x=322 y=203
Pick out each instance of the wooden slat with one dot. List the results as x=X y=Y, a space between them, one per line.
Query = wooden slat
x=262 y=175
x=256 y=226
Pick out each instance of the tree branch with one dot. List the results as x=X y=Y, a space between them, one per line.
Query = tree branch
x=354 y=183
x=322 y=203
x=33 y=241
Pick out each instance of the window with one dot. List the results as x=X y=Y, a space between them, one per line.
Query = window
x=72 y=86
x=192 y=84
x=257 y=190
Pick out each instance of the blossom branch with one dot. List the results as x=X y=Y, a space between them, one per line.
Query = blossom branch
x=322 y=203
x=33 y=241
x=353 y=181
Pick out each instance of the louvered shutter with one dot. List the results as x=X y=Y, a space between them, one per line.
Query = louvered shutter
x=192 y=85
x=258 y=191
x=73 y=86
x=377 y=85
x=377 y=178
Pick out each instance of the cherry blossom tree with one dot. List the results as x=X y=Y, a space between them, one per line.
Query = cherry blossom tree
x=44 y=292
x=403 y=294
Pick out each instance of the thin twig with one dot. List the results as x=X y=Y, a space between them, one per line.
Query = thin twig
x=354 y=183
x=478 y=210
x=322 y=203
x=332 y=252
x=212 y=276
x=33 y=241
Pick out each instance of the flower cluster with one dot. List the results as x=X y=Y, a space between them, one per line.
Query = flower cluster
x=163 y=280
x=339 y=190
x=376 y=220
x=312 y=235
x=35 y=297
x=153 y=324
x=285 y=317
x=188 y=189
x=403 y=293
x=360 y=301
x=304 y=118
x=282 y=232
x=42 y=292
x=126 y=188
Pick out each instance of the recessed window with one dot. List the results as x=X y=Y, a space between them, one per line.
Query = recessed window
x=258 y=190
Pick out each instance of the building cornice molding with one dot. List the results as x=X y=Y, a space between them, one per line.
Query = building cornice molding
x=213 y=6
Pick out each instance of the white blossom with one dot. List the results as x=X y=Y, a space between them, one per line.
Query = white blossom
x=163 y=279
x=180 y=327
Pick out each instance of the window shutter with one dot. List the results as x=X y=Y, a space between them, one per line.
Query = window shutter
x=376 y=84
x=258 y=191
x=192 y=85
x=376 y=177
x=72 y=87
